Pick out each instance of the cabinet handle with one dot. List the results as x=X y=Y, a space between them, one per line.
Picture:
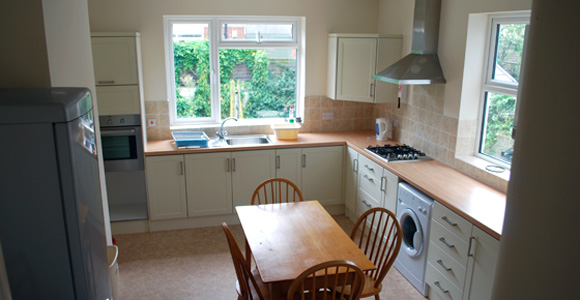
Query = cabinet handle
x=366 y=203
x=383 y=184
x=368 y=178
x=304 y=160
x=180 y=168
x=371 y=92
x=437 y=284
x=106 y=81
x=233 y=164
x=355 y=165
x=227 y=164
x=277 y=161
x=444 y=218
x=440 y=262
x=446 y=243
x=369 y=168
x=472 y=246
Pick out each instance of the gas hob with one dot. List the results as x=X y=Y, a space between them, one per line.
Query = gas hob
x=397 y=153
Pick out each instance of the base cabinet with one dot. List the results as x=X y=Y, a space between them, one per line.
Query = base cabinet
x=350 y=178
x=249 y=169
x=322 y=174
x=461 y=260
x=166 y=187
x=376 y=186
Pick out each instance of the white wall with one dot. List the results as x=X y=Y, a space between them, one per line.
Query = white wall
x=395 y=15
x=538 y=256
x=146 y=17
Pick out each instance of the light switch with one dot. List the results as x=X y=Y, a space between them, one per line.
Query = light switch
x=151 y=122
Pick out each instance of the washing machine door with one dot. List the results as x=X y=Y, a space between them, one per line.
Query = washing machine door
x=413 y=237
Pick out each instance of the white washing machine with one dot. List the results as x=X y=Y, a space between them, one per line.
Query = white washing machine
x=414 y=215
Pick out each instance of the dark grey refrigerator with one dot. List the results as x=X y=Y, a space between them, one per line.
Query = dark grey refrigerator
x=51 y=214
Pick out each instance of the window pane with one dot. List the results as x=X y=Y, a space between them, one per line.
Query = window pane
x=496 y=138
x=257 y=83
x=508 y=52
x=192 y=80
x=250 y=32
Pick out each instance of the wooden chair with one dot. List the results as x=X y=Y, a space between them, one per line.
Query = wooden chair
x=326 y=280
x=276 y=190
x=378 y=234
x=249 y=285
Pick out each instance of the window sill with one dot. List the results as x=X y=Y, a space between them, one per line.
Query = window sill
x=481 y=164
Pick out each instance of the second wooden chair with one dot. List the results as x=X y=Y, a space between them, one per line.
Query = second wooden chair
x=276 y=190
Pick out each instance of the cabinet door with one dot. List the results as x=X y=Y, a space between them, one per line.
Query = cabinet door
x=481 y=266
x=209 y=184
x=249 y=169
x=388 y=52
x=350 y=180
x=288 y=165
x=322 y=171
x=166 y=187
x=390 y=186
x=115 y=60
x=118 y=100
x=356 y=63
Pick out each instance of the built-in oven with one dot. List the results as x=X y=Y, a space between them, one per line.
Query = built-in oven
x=122 y=144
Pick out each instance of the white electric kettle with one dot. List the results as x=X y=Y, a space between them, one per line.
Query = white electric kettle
x=383 y=129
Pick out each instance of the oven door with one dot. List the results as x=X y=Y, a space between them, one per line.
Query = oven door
x=122 y=148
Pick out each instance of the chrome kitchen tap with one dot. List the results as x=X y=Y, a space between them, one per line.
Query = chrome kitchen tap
x=222 y=134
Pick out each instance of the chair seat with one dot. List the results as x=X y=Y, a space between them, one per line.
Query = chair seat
x=369 y=288
x=264 y=288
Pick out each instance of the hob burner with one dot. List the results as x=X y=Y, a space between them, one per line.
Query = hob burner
x=397 y=153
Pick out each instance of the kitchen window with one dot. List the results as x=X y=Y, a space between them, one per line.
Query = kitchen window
x=249 y=68
x=500 y=88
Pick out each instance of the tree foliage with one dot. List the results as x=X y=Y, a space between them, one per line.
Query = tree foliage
x=272 y=86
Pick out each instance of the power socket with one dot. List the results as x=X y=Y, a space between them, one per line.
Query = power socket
x=151 y=122
x=327 y=115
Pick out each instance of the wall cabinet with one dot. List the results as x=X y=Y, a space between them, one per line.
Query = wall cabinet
x=353 y=59
x=117 y=66
x=461 y=258
x=166 y=187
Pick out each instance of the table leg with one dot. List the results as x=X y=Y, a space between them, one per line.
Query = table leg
x=275 y=291
x=248 y=255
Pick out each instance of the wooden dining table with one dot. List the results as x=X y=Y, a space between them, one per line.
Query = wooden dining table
x=286 y=239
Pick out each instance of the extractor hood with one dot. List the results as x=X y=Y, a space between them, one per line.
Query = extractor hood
x=422 y=65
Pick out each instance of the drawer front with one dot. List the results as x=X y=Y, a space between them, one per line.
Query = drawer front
x=440 y=287
x=451 y=244
x=370 y=184
x=452 y=221
x=365 y=202
x=371 y=168
x=451 y=269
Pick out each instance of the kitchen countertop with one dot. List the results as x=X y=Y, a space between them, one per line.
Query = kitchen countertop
x=477 y=202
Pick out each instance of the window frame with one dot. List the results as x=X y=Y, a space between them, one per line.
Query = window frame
x=215 y=44
x=490 y=85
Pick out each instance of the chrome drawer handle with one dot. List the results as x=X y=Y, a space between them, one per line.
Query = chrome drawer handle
x=369 y=168
x=440 y=262
x=446 y=243
x=366 y=203
x=444 y=218
x=368 y=178
x=106 y=81
x=437 y=284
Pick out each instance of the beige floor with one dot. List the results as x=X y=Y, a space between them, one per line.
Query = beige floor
x=196 y=264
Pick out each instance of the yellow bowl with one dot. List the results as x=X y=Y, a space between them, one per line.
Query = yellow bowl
x=286 y=132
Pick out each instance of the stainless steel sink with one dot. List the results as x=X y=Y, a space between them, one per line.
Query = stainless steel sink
x=241 y=140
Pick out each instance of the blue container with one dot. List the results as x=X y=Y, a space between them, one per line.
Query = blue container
x=190 y=139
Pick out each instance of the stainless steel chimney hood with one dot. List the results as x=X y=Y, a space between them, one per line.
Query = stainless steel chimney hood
x=422 y=65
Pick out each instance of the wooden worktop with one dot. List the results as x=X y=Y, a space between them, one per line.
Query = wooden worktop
x=477 y=202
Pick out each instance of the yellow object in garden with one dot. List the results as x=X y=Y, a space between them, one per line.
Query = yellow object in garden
x=236 y=108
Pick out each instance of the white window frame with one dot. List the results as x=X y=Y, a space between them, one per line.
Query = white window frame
x=494 y=86
x=216 y=42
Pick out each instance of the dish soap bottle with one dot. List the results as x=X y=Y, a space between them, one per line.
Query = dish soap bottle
x=291 y=115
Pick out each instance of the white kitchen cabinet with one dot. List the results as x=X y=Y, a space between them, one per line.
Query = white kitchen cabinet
x=117 y=67
x=209 y=183
x=350 y=179
x=352 y=61
x=481 y=269
x=461 y=259
x=390 y=185
x=166 y=187
x=249 y=169
x=322 y=174
x=289 y=165
x=369 y=192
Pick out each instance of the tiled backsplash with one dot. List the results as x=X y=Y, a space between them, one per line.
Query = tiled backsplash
x=421 y=124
